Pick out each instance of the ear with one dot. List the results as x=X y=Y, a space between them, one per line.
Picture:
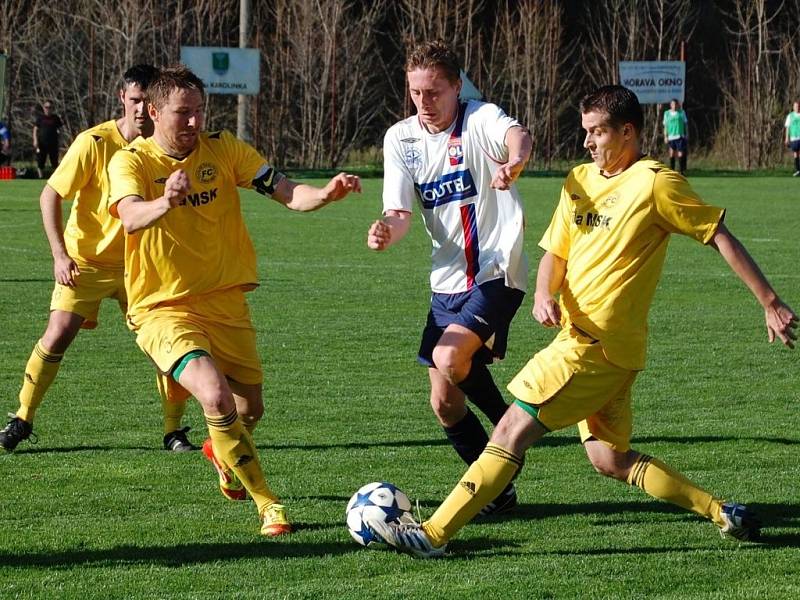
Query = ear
x=153 y=112
x=122 y=96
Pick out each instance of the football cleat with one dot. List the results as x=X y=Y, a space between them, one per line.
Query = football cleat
x=740 y=522
x=406 y=535
x=14 y=432
x=507 y=500
x=229 y=484
x=176 y=441
x=274 y=521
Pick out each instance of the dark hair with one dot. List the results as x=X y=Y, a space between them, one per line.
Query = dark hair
x=141 y=75
x=178 y=77
x=430 y=55
x=619 y=103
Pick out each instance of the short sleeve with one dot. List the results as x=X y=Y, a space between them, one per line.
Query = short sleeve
x=398 y=183
x=125 y=174
x=492 y=124
x=788 y=121
x=680 y=210
x=247 y=161
x=76 y=168
x=556 y=238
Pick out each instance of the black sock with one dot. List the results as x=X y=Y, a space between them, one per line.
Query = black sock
x=468 y=437
x=672 y=162
x=683 y=164
x=483 y=393
x=797 y=163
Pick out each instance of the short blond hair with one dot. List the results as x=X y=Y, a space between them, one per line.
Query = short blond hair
x=177 y=77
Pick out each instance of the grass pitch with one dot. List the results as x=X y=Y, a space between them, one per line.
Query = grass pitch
x=98 y=510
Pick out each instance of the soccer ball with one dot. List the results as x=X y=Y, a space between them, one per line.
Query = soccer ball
x=375 y=501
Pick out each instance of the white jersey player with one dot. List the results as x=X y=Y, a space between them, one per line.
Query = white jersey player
x=457 y=161
x=476 y=230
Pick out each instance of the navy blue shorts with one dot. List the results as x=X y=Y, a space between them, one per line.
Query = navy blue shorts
x=678 y=145
x=794 y=145
x=486 y=309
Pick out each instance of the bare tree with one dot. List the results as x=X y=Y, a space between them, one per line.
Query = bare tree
x=754 y=89
x=527 y=70
x=457 y=22
x=635 y=30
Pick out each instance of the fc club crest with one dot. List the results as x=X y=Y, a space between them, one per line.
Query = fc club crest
x=206 y=173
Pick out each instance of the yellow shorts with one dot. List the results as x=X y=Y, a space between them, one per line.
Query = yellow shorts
x=217 y=323
x=92 y=286
x=570 y=382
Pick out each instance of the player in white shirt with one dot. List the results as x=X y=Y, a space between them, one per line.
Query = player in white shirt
x=458 y=161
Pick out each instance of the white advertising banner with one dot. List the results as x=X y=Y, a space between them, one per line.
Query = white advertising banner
x=224 y=70
x=654 y=82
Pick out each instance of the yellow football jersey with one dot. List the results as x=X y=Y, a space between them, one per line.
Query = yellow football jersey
x=201 y=246
x=613 y=233
x=91 y=235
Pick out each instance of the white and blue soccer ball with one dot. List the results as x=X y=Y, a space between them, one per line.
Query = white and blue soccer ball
x=377 y=501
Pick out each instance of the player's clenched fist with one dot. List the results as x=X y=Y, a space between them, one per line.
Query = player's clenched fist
x=379 y=236
x=176 y=187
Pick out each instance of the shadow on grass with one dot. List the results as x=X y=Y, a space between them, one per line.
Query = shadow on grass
x=546 y=442
x=177 y=555
x=26 y=280
x=181 y=555
x=773 y=516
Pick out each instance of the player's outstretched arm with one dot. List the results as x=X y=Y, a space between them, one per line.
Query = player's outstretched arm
x=389 y=230
x=303 y=197
x=549 y=279
x=519 y=144
x=136 y=213
x=781 y=320
x=64 y=268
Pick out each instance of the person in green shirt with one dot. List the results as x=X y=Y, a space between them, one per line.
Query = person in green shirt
x=676 y=134
x=792 y=135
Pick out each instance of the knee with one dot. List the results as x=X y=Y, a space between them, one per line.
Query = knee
x=215 y=399
x=449 y=364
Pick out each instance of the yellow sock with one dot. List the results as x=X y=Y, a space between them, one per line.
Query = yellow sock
x=173 y=414
x=234 y=448
x=39 y=374
x=664 y=483
x=173 y=405
x=482 y=483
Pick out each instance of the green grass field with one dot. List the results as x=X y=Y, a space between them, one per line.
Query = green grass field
x=98 y=510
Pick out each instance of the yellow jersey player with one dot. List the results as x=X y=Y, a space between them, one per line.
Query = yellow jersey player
x=604 y=250
x=189 y=261
x=87 y=255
